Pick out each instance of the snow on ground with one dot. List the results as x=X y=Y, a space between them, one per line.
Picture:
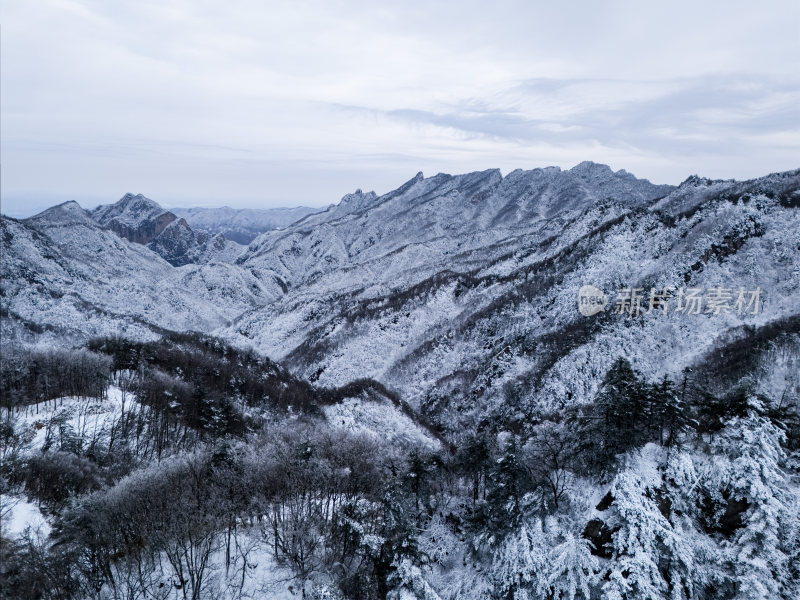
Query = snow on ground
x=380 y=420
x=17 y=514
x=86 y=417
x=264 y=577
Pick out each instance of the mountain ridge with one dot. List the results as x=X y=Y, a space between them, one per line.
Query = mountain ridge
x=458 y=290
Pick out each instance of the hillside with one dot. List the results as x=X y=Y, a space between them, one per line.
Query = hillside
x=559 y=384
x=478 y=316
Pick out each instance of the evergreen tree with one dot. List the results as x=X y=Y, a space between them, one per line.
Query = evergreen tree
x=507 y=486
x=760 y=552
x=397 y=540
x=474 y=461
x=421 y=471
x=520 y=563
x=572 y=570
x=668 y=413
x=618 y=419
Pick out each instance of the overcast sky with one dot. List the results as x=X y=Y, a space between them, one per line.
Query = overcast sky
x=285 y=103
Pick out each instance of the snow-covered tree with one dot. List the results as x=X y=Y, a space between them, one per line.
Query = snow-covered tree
x=572 y=571
x=651 y=558
x=521 y=563
x=759 y=553
x=507 y=483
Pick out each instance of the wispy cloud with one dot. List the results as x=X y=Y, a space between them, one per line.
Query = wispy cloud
x=690 y=117
x=300 y=102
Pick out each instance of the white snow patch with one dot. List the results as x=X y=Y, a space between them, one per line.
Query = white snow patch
x=18 y=515
x=380 y=420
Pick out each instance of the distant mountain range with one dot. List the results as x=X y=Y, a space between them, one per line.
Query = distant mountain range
x=242 y=225
x=460 y=292
x=216 y=234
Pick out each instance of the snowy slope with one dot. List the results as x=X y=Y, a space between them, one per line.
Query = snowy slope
x=65 y=276
x=461 y=292
x=435 y=218
x=458 y=292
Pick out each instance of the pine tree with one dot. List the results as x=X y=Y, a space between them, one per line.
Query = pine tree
x=668 y=413
x=618 y=419
x=572 y=570
x=520 y=564
x=421 y=471
x=760 y=552
x=474 y=461
x=507 y=485
x=651 y=559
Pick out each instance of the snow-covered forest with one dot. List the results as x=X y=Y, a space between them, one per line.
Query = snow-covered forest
x=390 y=400
x=421 y=300
x=186 y=468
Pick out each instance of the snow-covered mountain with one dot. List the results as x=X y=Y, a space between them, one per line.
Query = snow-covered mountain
x=242 y=225
x=459 y=292
x=436 y=220
x=65 y=277
x=134 y=217
x=469 y=404
x=141 y=220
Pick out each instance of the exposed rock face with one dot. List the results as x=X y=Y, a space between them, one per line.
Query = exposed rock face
x=601 y=537
x=135 y=218
x=146 y=232
x=177 y=242
x=179 y=245
x=142 y=221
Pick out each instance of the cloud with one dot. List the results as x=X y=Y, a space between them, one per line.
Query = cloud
x=287 y=102
x=687 y=116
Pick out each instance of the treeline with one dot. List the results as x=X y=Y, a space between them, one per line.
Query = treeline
x=29 y=377
x=314 y=500
x=196 y=381
x=209 y=364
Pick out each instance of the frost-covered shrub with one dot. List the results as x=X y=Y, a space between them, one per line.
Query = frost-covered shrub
x=53 y=477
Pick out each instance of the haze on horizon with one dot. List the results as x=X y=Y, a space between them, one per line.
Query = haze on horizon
x=198 y=104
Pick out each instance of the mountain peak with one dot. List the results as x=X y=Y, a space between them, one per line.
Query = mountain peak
x=137 y=204
x=130 y=196
x=408 y=184
x=696 y=181
x=130 y=208
x=69 y=212
x=358 y=196
x=589 y=167
x=134 y=217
